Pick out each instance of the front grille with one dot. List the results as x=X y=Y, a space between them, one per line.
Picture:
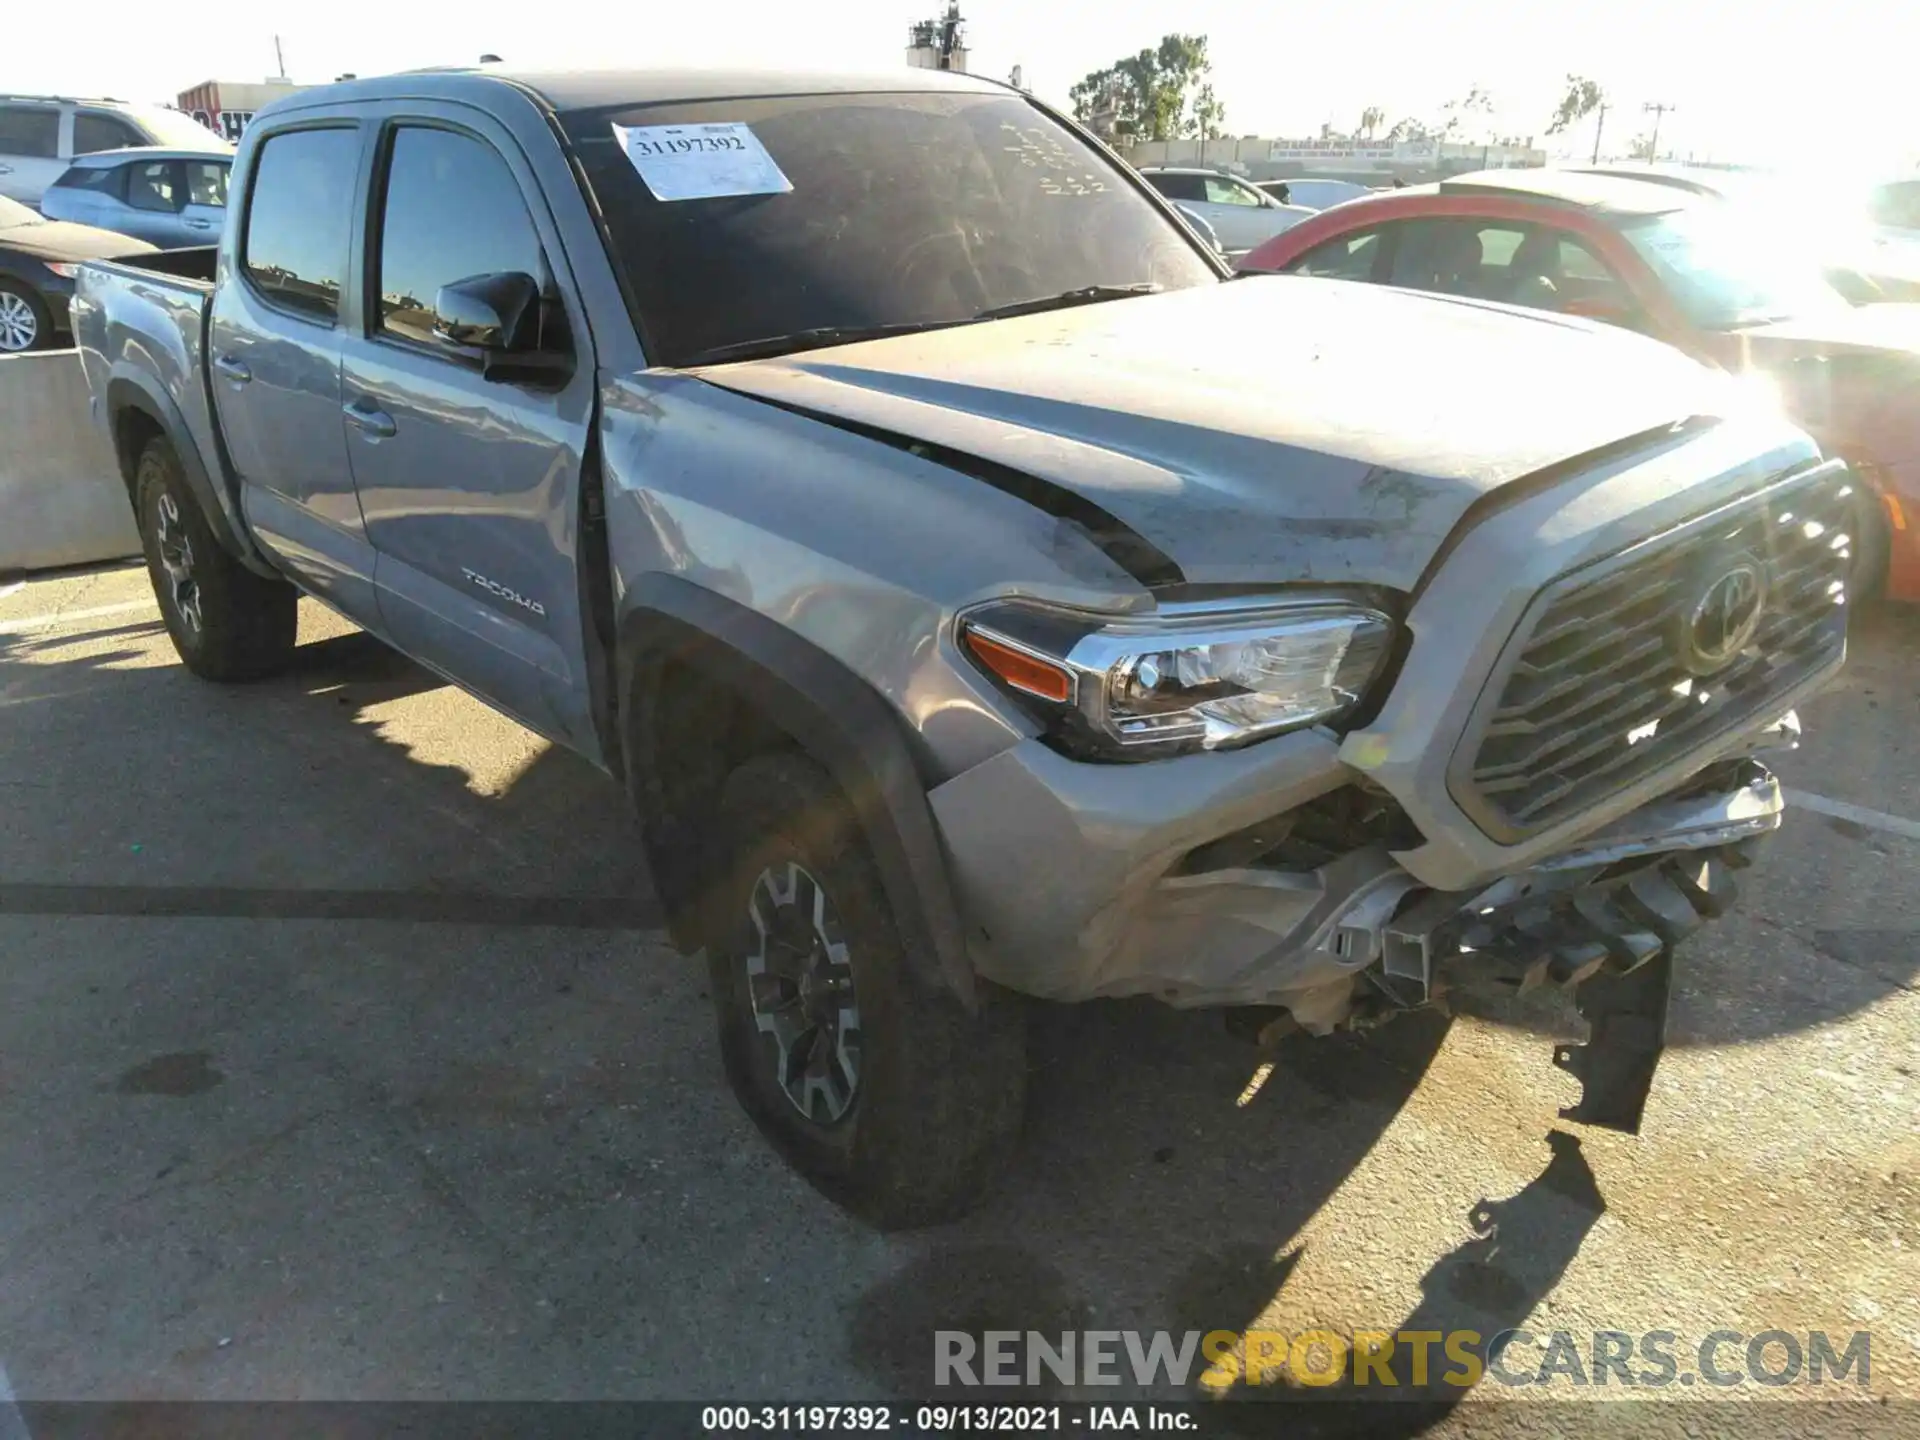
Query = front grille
x=1612 y=673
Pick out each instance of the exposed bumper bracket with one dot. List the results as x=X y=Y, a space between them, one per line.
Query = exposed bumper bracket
x=1627 y=1016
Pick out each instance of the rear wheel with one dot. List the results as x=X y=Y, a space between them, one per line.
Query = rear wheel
x=24 y=321
x=882 y=1089
x=227 y=623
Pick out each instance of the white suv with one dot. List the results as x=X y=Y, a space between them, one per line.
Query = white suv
x=1240 y=215
x=40 y=135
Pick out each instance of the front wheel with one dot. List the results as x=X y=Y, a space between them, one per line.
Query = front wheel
x=882 y=1089
x=24 y=322
x=226 y=622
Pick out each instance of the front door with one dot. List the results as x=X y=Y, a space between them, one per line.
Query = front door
x=470 y=486
x=275 y=358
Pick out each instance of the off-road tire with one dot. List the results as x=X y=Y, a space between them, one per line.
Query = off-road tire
x=940 y=1091
x=245 y=622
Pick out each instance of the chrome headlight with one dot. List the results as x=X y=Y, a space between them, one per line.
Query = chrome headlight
x=1186 y=677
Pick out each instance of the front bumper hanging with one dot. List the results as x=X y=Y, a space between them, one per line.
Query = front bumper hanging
x=1603 y=920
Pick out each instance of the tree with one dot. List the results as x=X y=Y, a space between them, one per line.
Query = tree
x=1473 y=111
x=1209 y=115
x=1148 y=93
x=1642 y=148
x=1408 y=129
x=1371 y=119
x=1583 y=97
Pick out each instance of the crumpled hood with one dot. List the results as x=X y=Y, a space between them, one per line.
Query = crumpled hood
x=1271 y=428
x=69 y=241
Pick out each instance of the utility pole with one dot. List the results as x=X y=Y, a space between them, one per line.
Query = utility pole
x=278 y=58
x=1658 y=109
x=1598 y=126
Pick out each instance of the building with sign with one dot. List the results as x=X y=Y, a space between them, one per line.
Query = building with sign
x=227 y=106
x=1377 y=162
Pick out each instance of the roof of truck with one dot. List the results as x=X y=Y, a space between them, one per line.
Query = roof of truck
x=621 y=89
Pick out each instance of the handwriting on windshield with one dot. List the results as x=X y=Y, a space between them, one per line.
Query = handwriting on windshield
x=1059 y=171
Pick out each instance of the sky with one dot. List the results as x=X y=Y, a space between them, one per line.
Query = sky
x=1796 y=84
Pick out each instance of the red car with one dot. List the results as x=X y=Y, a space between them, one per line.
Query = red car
x=1674 y=266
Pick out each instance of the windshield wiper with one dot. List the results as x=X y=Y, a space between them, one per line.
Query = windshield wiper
x=817 y=338
x=1085 y=295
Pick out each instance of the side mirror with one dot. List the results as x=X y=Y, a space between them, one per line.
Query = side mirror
x=497 y=319
x=487 y=312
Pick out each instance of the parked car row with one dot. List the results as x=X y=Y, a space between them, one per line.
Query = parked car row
x=1675 y=264
x=84 y=179
x=41 y=135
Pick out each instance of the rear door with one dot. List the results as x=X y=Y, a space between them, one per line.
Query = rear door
x=30 y=149
x=469 y=486
x=154 y=194
x=275 y=355
x=204 y=215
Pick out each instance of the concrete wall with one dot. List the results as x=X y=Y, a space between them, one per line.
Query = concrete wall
x=62 y=501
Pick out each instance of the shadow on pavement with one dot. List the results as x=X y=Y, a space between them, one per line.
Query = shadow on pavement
x=1157 y=1155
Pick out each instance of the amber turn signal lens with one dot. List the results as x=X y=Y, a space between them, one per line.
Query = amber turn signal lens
x=1021 y=670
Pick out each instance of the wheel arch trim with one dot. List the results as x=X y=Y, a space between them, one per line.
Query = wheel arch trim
x=131 y=391
x=832 y=715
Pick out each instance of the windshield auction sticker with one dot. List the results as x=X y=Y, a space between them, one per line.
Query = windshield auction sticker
x=701 y=162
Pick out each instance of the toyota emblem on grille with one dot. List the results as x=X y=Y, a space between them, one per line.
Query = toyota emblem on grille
x=1723 y=619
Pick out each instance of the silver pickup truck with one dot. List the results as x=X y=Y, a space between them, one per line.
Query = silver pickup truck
x=979 y=591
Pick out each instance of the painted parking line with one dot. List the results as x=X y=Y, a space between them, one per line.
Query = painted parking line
x=1858 y=814
x=67 y=617
x=12 y=1426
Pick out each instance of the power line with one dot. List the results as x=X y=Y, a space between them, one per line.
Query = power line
x=1658 y=109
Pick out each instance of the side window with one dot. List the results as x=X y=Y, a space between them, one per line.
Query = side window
x=1179 y=187
x=1346 y=257
x=93 y=132
x=1227 y=192
x=101 y=179
x=1459 y=257
x=451 y=210
x=299 y=218
x=207 y=183
x=154 y=185
x=30 y=131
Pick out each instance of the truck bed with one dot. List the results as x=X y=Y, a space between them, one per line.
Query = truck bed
x=144 y=323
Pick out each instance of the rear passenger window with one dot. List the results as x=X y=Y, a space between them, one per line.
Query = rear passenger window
x=207 y=183
x=153 y=186
x=1460 y=257
x=299 y=218
x=452 y=210
x=1179 y=187
x=102 y=132
x=30 y=131
x=1348 y=257
x=101 y=179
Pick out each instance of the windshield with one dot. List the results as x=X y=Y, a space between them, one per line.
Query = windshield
x=13 y=213
x=177 y=130
x=1723 y=274
x=906 y=209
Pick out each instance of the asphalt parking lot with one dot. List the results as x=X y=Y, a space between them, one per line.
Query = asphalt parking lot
x=338 y=1058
